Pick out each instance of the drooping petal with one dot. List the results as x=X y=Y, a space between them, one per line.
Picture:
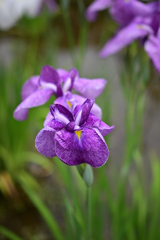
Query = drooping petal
x=30 y=86
x=94 y=122
x=124 y=37
x=21 y=114
x=37 y=98
x=152 y=47
x=86 y=146
x=89 y=88
x=97 y=5
x=45 y=142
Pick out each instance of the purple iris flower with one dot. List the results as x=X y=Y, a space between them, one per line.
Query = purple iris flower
x=125 y=11
x=137 y=21
x=74 y=136
x=38 y=89
x=121 y=10
x=145 y=28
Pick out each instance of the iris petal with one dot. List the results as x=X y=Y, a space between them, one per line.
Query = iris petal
x=30 y=86
x=37 y=98
x=89 y=88
x=45 y=142
x=152 y=47
x=96 y=6
x=94 y=122
x=133 y=31
x=90 y=149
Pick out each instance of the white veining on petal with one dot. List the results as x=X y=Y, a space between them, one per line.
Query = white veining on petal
x=99 y=134
x=59 y=116
x=67 y=85
x=76 y=127
x=78 y=118
x=49 y=86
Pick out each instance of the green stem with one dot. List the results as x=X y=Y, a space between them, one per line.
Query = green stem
x=88 y=213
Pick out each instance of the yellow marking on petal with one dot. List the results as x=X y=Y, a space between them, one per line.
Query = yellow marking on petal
x=69 y=104
x=78 y=133
x=139 y=26
x=40 y=87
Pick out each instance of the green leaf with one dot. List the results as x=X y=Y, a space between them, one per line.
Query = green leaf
x=7 y=233
x=28 y=179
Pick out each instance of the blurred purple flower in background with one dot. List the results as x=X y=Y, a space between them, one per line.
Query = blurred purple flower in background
x=75 y=136
x=123 y=11
x=137 y=21
x=12 y=10
x=97 y=5
x=38 y=89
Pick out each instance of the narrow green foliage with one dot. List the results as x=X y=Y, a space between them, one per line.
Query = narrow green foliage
x=7 y=233
x=43 y=210
x=155 y=197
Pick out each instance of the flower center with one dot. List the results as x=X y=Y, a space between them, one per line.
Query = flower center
x=78 y=133
x=69 y=104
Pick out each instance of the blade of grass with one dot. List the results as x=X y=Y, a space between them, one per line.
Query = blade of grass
x=43 y=210
x=155 y=197
x=7 y=233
